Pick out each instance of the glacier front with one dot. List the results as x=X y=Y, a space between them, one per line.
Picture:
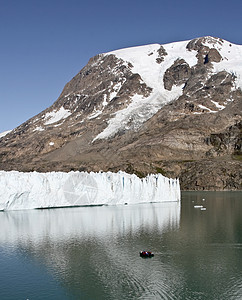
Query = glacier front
x=30 y=190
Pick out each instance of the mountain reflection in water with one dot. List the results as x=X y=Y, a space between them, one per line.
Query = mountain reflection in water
x=93 y=252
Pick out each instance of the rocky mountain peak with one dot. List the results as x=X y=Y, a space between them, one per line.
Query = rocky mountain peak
x=206 y=41
x=207 y=49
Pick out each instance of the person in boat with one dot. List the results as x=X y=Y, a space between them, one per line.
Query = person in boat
x=146 y=254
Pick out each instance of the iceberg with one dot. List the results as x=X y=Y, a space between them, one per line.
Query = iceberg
x=31 y=190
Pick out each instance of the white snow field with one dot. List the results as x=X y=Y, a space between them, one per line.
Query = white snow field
x=32 y=190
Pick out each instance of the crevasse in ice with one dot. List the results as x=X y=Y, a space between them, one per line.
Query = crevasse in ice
x=31 y=190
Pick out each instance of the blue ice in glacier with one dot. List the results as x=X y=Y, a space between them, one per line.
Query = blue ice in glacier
x=19 y=190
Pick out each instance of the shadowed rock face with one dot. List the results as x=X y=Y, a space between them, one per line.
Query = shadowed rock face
x=177 y=74
x=195 y=136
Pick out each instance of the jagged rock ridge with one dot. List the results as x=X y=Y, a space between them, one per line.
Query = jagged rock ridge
x=174 y=109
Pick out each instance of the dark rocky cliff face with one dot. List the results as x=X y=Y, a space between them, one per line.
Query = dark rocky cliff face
x=193 y=134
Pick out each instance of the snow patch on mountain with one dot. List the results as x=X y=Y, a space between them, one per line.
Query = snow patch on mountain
x=139 y=111
x=95 y=114
x=115 y=91
x=220 y=107
x=39 y=128
x=231 y=58
x=105 y=102
x=144 y=60
x=206 y=108
x=4 y=133
x=56 y=115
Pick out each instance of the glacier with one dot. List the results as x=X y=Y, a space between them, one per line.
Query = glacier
x=31 y=190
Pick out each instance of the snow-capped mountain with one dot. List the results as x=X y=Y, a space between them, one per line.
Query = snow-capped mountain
x=174 y=109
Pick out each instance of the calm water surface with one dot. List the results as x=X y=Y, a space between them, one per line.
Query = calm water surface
x=93 y=252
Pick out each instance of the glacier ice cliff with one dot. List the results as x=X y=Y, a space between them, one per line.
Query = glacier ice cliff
x=19 y=190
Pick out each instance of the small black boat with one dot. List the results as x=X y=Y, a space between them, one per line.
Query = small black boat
x=146 y=254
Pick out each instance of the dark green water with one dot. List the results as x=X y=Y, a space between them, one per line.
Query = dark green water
x=93 y=252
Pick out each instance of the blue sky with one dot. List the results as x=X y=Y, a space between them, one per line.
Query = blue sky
x=43 y=44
